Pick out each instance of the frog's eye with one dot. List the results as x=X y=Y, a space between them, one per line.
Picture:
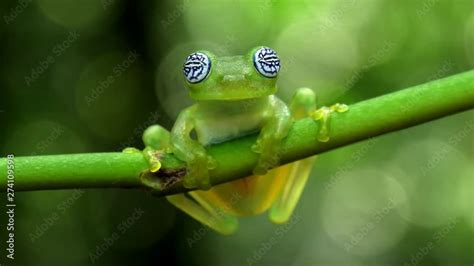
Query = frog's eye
x=266 y=62
x=197 y=67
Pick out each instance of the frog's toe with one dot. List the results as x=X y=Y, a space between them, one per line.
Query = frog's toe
x=197 y=175
x=323 y=114
x=257 y=146
x=205 y=185
x=189 y=182
x=268 y=148
x=267 y=160
x=339 y=107
x=211 y=163
x=192 y=181
x=151 y=156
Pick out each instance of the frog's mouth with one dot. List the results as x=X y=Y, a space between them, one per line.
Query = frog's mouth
x=232 y=93
x=227 y=96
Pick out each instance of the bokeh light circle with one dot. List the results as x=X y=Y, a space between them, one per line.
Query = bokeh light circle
x=71 y=13
x=107 y=92
x=431 y=181
x=361 y=213
x=316 y=59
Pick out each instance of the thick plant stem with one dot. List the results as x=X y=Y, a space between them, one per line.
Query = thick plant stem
x=235 y=158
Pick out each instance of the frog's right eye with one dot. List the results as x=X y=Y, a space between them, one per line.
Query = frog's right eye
x=197 y=67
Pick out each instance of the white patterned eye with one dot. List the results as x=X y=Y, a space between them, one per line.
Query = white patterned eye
x=266 y=62
x=197 y=67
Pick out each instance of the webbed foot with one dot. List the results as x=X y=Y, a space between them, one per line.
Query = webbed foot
x=323 y=114
x=198 y=171
x=268 y=148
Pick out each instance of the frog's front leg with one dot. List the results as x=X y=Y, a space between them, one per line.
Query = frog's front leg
x=157 y=142
x=275 y=128
x=296 y=174
x=156 y=139
x=191 y=151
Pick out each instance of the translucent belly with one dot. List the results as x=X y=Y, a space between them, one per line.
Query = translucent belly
x=246 y=196
x=217 y=129
x=250 y=195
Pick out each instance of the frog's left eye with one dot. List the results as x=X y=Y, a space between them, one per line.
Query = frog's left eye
x=266 y=62
x=197 y=67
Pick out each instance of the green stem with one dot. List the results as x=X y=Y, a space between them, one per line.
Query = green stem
x=235 y=159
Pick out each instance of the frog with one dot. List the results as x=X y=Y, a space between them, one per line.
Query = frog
x=235 y=97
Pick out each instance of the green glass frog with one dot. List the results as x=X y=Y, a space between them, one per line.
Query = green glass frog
x=235 y=97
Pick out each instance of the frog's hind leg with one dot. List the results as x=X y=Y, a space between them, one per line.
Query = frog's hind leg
x=284 y=205
x=205 y=212
x=302 y=104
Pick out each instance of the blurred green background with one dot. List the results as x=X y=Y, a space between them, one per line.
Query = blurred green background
x=90 y=76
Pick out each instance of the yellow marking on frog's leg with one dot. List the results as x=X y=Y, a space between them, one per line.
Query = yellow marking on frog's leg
x=324 y=114
x=205 y=212
x=302 y=105
x=151 y=157
x=154 y=165
x=149 y=154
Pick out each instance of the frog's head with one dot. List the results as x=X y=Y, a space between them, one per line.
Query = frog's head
x=232 y=77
